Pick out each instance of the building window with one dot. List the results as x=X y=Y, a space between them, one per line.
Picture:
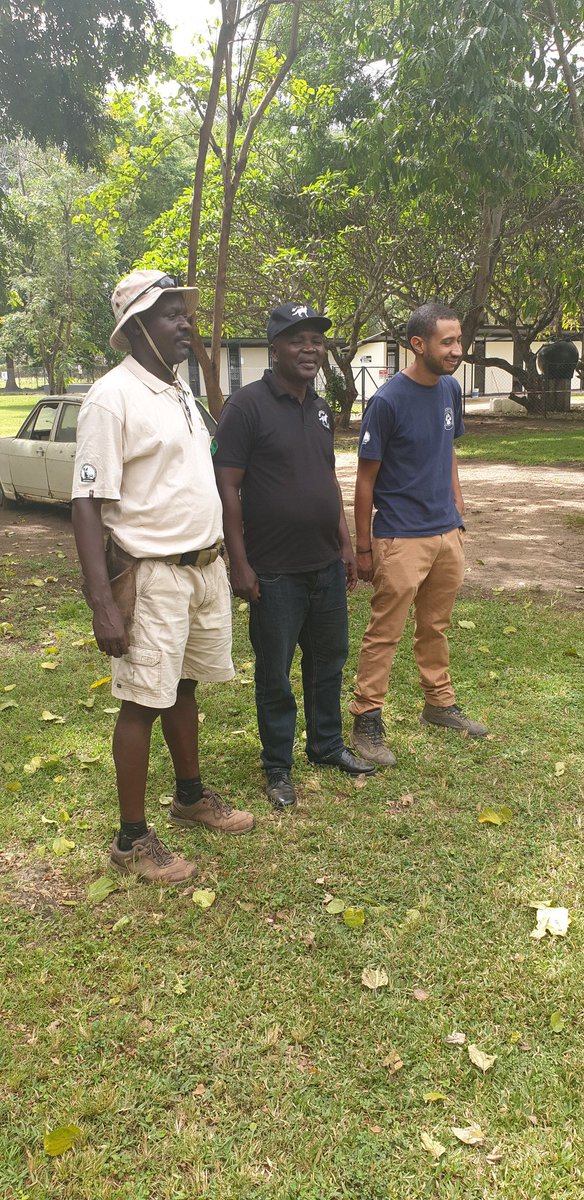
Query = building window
x=479 y=366
x=392 y=361
x=194 y=375
x=234 y=365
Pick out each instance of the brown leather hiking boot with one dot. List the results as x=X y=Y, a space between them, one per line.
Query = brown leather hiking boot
x=212 y=812
x=452 y=717
x=368 y=738
x=151 y=860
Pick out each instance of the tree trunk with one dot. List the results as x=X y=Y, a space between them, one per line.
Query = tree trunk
x=534 y=400
x=11 y=384
x=557 y=395
x=210 y=375
x=486 y=261
x=347 y=399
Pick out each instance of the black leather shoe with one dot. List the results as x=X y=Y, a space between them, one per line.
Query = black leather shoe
x=280 y=790
x=346 y=761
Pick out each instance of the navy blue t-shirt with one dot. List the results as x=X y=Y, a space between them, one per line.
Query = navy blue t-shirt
x=410 y=429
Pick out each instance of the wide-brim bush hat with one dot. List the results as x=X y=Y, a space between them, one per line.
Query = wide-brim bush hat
x=137 y=292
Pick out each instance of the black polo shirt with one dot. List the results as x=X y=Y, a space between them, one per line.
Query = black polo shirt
x=289 y=495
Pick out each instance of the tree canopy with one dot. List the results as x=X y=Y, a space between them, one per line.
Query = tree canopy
x=57 y=58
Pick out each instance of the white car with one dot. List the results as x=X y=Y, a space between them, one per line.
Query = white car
x=37 y=464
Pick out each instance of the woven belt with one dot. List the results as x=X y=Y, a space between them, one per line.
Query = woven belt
x=195 y=558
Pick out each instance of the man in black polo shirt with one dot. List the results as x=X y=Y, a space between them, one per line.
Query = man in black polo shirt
x=289 y=549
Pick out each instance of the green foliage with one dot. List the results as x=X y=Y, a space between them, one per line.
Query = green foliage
x=57 y=59
x=335 y=391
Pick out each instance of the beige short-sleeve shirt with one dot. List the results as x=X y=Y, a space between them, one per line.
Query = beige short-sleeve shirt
x=136 y=453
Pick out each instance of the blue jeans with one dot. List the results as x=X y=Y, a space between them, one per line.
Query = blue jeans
x=309 y=610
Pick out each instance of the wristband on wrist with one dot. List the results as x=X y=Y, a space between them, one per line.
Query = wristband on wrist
x=362 y=551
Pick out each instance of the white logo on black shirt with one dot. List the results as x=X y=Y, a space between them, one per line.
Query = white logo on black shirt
x=366 y=438
x=323 y=418
x=88 y=474
x=448 y=418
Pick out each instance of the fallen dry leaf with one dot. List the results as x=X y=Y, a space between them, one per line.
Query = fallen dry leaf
x=495 y=1156
x=199 y=1090
x=393 y=1062
x=436 y=1149
x=472 y=1135
x=455 y=1038
x=374 y=977
x=481 y=1060
x=420 y=994
x=554 y=921
x=376 y=1129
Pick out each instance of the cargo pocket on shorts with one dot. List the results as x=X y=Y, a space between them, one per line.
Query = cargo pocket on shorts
x=139 y=670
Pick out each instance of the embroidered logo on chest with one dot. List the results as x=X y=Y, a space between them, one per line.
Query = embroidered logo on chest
x=323 y=418
x=448 y=418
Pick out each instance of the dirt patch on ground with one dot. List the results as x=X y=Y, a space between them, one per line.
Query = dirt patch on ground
x=35 y=530
x=35 y=886
x=518 y=537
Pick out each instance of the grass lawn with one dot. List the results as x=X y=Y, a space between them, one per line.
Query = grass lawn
x=531 y=447
x=14 y=409
x=234 y=1053
x=535 y=445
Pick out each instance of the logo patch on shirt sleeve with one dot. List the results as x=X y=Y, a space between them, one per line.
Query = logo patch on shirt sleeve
x=323 y=418
x=88 y=473
x=448 y=418
x=366 y=438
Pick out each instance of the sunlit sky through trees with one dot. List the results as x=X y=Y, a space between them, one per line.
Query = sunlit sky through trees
x=188 y=18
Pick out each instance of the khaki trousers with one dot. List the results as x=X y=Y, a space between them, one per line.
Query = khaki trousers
x=428 y=573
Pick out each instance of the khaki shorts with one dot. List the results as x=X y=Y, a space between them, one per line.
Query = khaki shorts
x=181 y=629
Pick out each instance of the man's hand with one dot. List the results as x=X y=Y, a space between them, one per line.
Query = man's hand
x=244 y=582
x=110 y=634
x=350 y=567
x=365 y=565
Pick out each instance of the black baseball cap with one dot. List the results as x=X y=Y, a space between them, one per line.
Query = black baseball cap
x=285 y=316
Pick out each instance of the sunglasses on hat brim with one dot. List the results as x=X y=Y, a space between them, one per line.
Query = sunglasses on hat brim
x=165 y=282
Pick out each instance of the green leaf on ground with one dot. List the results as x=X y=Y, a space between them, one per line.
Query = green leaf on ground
x=203 y=898
x=100 y=889
x=56 y=1141
x=493 y=816
x=62 y=845
x=354 y=918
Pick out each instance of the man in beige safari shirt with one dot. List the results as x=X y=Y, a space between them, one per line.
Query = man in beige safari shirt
x=159 y=591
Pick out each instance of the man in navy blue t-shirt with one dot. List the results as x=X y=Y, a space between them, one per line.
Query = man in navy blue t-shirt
x=407 y=471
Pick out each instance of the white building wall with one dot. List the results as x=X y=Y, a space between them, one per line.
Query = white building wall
x=254 y=360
